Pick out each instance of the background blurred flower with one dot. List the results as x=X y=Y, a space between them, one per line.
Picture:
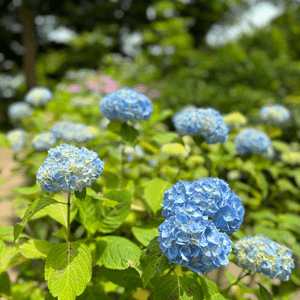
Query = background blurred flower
x=175 y=150
x=93 y=86
x=140 y=88
x=235 y=120
x=43 y=141
x=110 y=85
x=276 y=113
x=39 y=96
x=19 y=110
x=233 y=175
x=75 y=88
x=291 y=157
x=82 y=101
x=103 y=123
x=16 y=138
x=154 y=94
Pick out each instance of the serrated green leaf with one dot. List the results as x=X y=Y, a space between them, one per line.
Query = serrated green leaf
x=26 y=290
x=115 y=252
x=129 y=134
x=68 y=270
x=153 y=262
x=34 y=207
x=27 y=190
x=154 y=192
x=264 y=294
x=173 y=287
x=5 y=284
x=210 y=289
x=186 y=297
x=81 y=195
x=144 y=234
x=92 y=293
x=36 y=249
x=21 y=205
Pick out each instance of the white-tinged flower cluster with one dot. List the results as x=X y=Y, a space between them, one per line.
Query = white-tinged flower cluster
x=16 y=138
x=43 y=141
x=276 y=113
x=69 y=168
x=262 y=255
x=175 y=150
x=19 y=110
x=235 y=120
x=291 y=157
x=132 y=152
x=103 y=123
x=38 y=96
x=233 y=175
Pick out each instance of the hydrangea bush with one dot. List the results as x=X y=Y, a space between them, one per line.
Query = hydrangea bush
x=38 y=96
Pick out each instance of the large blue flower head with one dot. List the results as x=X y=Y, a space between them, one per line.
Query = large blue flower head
x=261 y=255
x=127 y=105
x=19 y=110
x=195 y=243
x=69 y=168
x=211 y=197
x=72 y=132
x=206 y=122
x=276 y=113
x=16 y=138
x=186 y=109
x=253 y=141
x=38 y=96
x=43 y=141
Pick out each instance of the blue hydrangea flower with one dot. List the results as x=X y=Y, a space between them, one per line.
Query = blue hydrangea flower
x=276 y=113
x=195 y=243
x=72 y=132
x=69 y=168
x=253 y=141
x=19 y=110
x=43 y=141
x=206 y=122
x=261 y=255
x=182 y=112
x=16 y=138
x=211 y=197
x=152 y=163
x=126 y=105
x=38 y=96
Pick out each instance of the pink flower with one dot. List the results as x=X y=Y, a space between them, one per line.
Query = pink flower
x=154 y=93
x=75 y=88
x=140 y=88
x=110 y=85
x=93 y=86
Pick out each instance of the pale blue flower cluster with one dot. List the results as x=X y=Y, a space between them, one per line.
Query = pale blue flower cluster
x=206 y=122
x=16 y=138
x=19 y=110
x=69 y=168
x=262 y=255
x=43 y=141
x=38 y=96
x=253 y=141
x=72 y=132
x=188 y=237
x=184 y=110
x=126 y=105
x=276 y=113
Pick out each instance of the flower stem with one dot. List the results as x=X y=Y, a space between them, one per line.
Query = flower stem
x=237 y=281
x=122 y=165
x=68 y=213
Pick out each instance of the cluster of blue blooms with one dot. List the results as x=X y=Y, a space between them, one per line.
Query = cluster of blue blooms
x=43 y=141
x=38 y=96
x=206 y=122
x=253 y=141
x=72 y=132
x=261 y=255
x=19 y=110
x=126 y=105
x=276 y=113
x=16 y=138
x=69 y=168
x=188 y=237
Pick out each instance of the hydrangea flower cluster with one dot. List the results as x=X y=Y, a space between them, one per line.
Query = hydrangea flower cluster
x=234 y=175
x=103 y=123
x=72 y=132
x=276 y=113
x=182 y=112
x=206 y=122
x=253 y=141
x=262 y=255
x=291 y=157
x=16 y=138
x=38 y=96
x=19 y=110
x=126 y=105
x=235 y=120
x=132 y=152
x=43 y=141
x=69 y=168
x=188 y=237
x=175 y=150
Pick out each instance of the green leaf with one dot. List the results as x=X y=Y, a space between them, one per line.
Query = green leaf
x=129 y=134
x=210 y=289
x=154 y=192
x=289 y=221
x=27 y=190
x=162 y=115
x=153 y=262
x=5 y=284
x=81 y=195
x=36 y=249
x=114 y=126
x=264 y=294
x=280 y=146
x=115 y=252
x=144 y=234
x=166 y=137
x=286 y=185
x=3 y=140
x=92 y=293
x=173 y=287
x=34 y=207
x=68 y=270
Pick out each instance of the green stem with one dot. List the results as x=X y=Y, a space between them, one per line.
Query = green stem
x=237 y=281
x=68 y=220
x=122 y=165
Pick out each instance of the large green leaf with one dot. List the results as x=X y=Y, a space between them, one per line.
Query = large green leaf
x=210 y=289
x=4 y=284
x=68 y=270
x=115 y=252
x=174 y=287
x=34 y=207
x=166 y=137
x=129 y=134
x=36 y=249
x=3 y=140
x=154 y=192
x=153 y=262
x=144 y=234
x=264 y=294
